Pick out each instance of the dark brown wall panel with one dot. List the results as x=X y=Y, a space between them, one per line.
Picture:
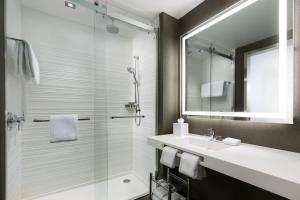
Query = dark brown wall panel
x=168 y=76
x=2 y=101
x=168 y=94
x=280 y=136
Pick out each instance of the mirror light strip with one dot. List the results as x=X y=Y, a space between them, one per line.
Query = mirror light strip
x=282 y=56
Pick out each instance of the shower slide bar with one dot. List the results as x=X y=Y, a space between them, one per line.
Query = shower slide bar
x=47 y=120
x=122 y=117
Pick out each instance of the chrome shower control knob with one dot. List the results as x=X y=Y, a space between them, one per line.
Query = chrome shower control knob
x=13 y=119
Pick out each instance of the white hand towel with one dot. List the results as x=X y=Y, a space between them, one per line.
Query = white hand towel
x=214 y=89
x=189 y=166
x=33 y=65
x=63 y=128
x=205 y=90
x=232 y=141
x=168 y=157
x=217 y=89
x=28 y=66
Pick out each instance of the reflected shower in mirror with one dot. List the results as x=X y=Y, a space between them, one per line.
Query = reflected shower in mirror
x=239 y=65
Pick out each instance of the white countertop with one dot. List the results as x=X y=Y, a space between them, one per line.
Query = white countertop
x=274 y=170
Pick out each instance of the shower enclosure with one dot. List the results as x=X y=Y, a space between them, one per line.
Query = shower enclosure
x=207 y=66
x=84 y=55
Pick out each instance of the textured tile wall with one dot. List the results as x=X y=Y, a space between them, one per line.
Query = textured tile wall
x=67 y=66
x=83 y=71
x=145 y=46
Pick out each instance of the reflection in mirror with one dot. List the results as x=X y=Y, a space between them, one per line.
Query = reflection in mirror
x=233 y=68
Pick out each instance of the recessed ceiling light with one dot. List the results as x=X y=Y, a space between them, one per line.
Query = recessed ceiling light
x=70 y=5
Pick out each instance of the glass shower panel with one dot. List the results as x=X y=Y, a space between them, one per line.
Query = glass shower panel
x=100 y=111
x=209 y=77
x=198 y=75
x=64 y=41
x=222 y=80
x=128 y=60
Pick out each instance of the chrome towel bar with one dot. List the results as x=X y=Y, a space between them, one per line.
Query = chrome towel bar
x=122 y=117
x=47 y=120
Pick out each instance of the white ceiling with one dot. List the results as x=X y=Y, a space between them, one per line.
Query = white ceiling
x=79 y=15
x=149 y=9
x=142 y=10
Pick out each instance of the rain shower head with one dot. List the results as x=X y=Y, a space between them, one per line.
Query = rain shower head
x=111 y=28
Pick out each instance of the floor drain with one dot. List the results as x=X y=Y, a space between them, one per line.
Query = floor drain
x=126 y=181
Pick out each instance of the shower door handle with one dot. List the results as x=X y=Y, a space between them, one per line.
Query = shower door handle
x=13 y=119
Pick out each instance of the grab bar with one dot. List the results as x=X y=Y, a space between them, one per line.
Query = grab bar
x=47 y=120
x=122 y=117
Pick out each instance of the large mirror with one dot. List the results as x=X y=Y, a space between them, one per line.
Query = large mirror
x=239 y=64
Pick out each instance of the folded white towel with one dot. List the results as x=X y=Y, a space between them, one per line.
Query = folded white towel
x=159 y=193
x=214 y=89
x=168 y=157
x=63 y=128
x=189 y=166
x=232 y=141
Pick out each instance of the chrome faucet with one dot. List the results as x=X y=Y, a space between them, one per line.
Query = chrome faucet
x=211 y=134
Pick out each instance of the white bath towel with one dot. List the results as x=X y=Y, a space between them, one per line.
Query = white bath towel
x=189 y=166
x=214 y=89
x=168 y=157
x=63 y=128
x=28 y=66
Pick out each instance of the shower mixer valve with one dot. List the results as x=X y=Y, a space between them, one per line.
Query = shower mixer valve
x=131 y=106
x=14 y=119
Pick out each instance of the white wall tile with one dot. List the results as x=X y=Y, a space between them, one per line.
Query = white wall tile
x=67 y=67
x=83 y=71
x=145 y=46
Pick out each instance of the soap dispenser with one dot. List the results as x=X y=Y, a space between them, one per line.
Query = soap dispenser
x=180 y=128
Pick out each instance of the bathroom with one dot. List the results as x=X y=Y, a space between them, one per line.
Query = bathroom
x=136 y=100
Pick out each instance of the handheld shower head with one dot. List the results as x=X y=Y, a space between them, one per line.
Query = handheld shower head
x=131 y=70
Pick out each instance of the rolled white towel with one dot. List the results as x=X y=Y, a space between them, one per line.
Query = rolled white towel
x=159 y=193
x=174 y=196
x=232 y=141
x=168 y=157
x=189 y=166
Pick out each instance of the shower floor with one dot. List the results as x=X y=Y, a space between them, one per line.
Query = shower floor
x=113 y=189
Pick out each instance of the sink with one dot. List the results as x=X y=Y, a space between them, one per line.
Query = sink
x=203 y=142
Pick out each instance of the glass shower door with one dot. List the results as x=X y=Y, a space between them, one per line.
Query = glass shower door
x=128 y=60
x=63 y=40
